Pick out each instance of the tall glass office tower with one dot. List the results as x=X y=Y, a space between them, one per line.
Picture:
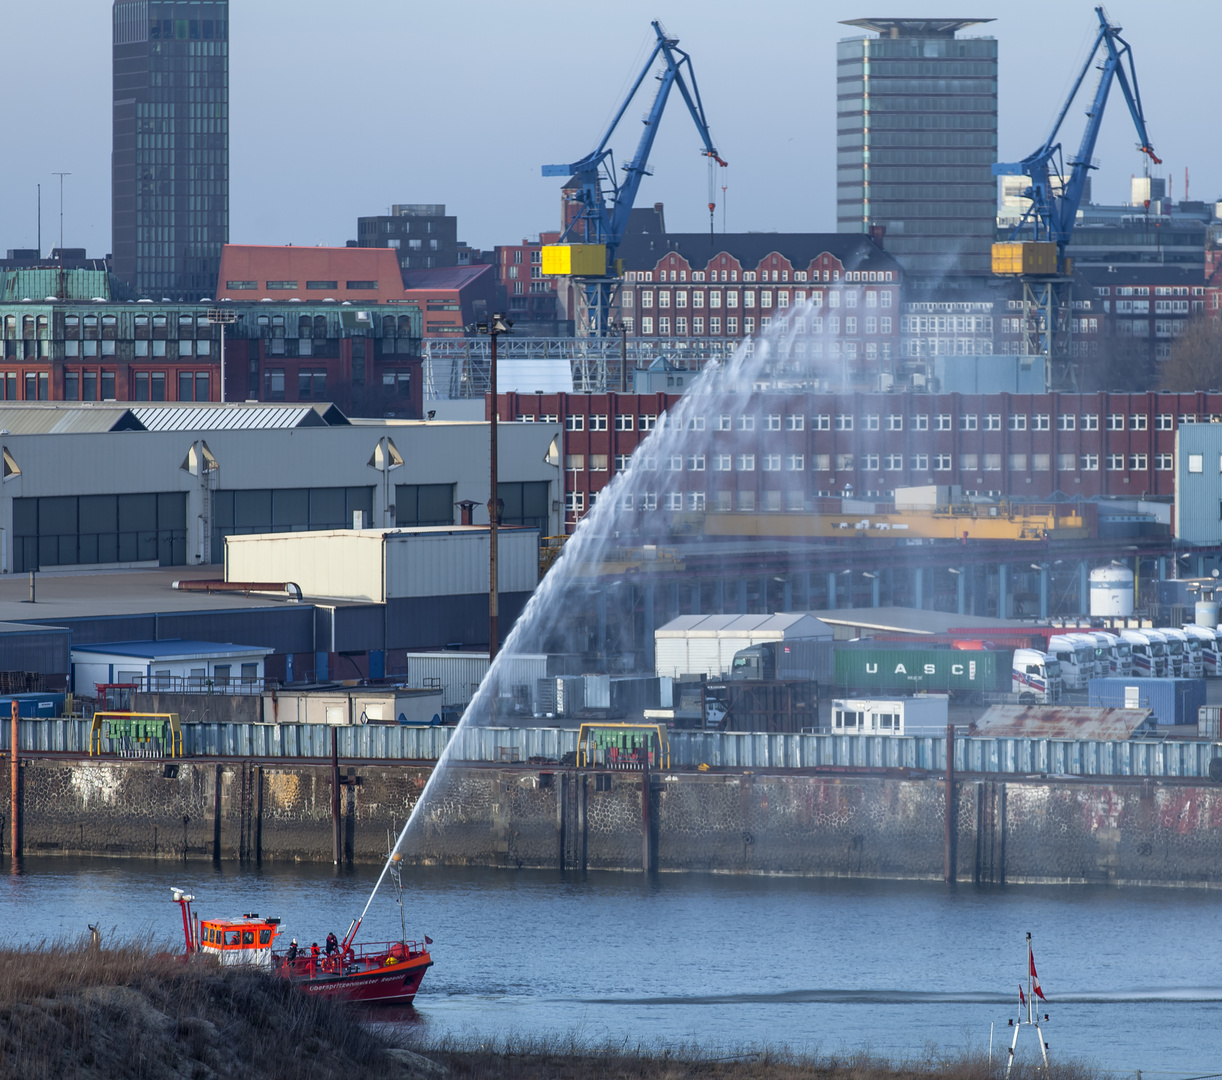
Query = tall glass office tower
x=170 y=154
x=916 y=132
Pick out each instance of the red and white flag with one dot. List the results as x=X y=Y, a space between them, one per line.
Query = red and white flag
x=1022 y=998
x=1035 y=979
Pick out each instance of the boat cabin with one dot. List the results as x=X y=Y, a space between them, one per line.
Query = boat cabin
x=246 y=941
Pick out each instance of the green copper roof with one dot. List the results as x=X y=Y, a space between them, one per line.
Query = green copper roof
x=59 y=284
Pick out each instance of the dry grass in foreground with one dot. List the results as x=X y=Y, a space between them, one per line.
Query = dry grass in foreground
x=68 y=1010
x=558 y=1059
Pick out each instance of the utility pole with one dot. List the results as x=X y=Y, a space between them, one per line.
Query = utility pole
x=61 y=291
x=223 y=317
x=61 y=176
x=40 y=222
x=494 y=328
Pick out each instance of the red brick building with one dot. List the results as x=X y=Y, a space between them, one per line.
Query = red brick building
x=731 y=286
x=778 y=452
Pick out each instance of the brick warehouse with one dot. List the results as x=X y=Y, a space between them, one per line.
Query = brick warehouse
x=784 y=450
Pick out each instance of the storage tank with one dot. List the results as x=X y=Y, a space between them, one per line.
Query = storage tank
x=1111 y=591
x=1205 y=613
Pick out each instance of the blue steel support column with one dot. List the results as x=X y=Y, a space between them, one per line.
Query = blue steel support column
x=674 y=600
x=1200 y=566
x=787 y=595
x=1044 y=592
x=1162 y=568
x=961 y=587
x=1083 y=588
x=650 y=627
x=874 y=589
x=763 y=593
x=1003 y=588
x=696 y=597
x=719 y=596
x=889 y=584
x=918 y=588
x=804 y=582
x=831 y=590
x=742 y=597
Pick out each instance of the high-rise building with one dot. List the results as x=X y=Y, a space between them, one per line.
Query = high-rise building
x=170 y=154
x=916 y=133
x=423 y=234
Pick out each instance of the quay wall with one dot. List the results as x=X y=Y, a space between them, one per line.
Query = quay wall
x=1113 y=831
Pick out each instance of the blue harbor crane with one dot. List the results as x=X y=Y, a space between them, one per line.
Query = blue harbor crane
x=588 y=245
x=1035 y=252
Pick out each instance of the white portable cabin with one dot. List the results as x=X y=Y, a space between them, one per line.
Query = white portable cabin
x=706 y=644
x=925 y=714
x=167 y=665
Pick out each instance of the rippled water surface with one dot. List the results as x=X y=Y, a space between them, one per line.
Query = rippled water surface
x=1132 y=975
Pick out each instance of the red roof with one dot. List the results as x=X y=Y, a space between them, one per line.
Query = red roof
x=255 y=271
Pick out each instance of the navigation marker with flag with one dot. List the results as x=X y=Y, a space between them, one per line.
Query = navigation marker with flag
x=1027 y=1001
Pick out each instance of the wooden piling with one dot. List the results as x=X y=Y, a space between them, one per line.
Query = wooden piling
x=948 y=855
x=15 y=788
x=337 y=850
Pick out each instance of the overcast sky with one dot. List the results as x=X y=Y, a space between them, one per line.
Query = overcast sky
x=339 y=109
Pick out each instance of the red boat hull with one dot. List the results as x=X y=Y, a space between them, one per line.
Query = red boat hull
x=391 y=984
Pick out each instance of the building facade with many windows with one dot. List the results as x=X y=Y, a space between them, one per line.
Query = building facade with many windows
x=783 y=452
x=840 y=293
x=170 y=156
x=365 y=359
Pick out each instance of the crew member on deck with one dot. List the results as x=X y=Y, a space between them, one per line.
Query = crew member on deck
x=332 y=944
x=292 y=954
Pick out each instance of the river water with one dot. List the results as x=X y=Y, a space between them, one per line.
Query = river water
x=897 y=968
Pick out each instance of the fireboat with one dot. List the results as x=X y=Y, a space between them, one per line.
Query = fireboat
x=383 y=973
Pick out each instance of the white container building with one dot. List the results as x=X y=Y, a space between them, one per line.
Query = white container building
x=167 y=665
x=923 y=715
x=339 y=706
x=706 y=644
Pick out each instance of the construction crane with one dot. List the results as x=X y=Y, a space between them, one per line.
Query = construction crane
x=1039 y=261
x=607 y=201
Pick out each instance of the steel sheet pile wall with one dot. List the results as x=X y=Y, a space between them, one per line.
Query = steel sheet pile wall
x=688 y=749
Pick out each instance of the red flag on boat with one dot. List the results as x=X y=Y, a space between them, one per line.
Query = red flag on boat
x=429 y=941
x=1022 y=998
x=1035 y=979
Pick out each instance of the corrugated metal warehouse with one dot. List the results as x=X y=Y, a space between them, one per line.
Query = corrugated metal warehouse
x=159 y=484
x=426 y=586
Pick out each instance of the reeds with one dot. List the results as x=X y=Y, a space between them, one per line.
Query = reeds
x=70 y=1010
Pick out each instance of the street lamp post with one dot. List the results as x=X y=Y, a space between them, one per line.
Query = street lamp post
x=494 y=328
x=621 y=328
x=224 y=317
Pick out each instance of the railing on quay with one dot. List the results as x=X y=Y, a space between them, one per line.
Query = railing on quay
x=688 y=749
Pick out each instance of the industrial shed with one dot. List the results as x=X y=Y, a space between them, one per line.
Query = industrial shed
x=426 y=585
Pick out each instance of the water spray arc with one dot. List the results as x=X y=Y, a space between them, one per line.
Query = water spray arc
x=709 y=440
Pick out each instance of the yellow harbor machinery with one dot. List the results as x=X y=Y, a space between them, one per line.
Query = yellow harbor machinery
x=995 y=521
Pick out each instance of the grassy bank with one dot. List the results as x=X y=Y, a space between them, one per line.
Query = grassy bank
x=69 y=1011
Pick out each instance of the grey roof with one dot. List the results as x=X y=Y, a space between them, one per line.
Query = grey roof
x=641 y=251
x=170 y=649
x=915 y=28
x=237 y=416
x=76 y=418
x=1062 y=722
x=65 y=418
x=913 y=620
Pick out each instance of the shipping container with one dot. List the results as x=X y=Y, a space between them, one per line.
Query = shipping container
x=924 y=670
x=1174 y=701
x=459 y=674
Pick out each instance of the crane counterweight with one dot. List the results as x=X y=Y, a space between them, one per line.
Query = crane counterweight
x=588 y=246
